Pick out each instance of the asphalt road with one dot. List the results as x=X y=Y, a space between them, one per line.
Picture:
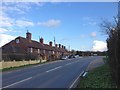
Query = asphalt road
x=58 y=74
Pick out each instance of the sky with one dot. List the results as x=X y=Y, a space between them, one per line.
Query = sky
x=73 y=24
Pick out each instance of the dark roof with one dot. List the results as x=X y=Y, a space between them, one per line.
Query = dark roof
x=9 y=48
x=34 y=44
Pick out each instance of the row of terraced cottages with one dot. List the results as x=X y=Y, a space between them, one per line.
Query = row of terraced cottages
x=26 y=48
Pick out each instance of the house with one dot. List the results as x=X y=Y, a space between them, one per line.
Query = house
x=26 y=48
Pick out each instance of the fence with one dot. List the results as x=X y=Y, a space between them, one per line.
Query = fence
x=8 y=64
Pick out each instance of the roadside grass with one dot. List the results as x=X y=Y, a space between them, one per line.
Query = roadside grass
x=98 y=78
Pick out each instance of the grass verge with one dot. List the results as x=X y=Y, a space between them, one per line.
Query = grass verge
x=98 y=78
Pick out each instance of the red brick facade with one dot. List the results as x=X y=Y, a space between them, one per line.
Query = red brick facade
x=27 y=46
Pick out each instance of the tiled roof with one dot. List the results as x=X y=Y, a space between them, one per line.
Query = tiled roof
x=34 y=44
x=9 y=48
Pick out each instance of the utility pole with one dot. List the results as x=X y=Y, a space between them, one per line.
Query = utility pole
x=54 y=40
x=27 y=29
x=69 y=49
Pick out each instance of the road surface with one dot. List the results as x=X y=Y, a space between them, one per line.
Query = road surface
x=58 y=74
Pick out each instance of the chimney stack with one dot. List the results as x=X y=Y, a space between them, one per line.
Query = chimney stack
x=62 y=46
x=59 y=45
x=28 y=36
x=56 y=45
x=41 y=40
x=50 y=43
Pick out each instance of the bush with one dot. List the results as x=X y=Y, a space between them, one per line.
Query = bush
x=113 y=44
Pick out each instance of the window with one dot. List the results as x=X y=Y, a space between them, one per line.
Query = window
x=31 y=50
x=43 y=51
x=38 y=50
x=53 y=52
x=17 y=41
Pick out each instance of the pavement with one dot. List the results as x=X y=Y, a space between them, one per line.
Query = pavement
x=94 y=64
x=59 y=74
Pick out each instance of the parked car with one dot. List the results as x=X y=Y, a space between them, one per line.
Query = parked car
x=64 y=58
x=71 y=56
x=76 y=56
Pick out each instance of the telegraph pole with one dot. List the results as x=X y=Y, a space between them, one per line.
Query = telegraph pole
x=69 y=49
x=54 y=40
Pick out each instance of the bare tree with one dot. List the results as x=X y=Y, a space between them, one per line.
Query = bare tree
x=113 y=45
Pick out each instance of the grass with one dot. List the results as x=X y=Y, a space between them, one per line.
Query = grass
x=98 y=78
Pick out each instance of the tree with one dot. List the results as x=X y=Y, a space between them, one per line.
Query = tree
x=113 y=45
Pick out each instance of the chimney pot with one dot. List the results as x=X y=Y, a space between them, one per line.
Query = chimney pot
x=28 y=36
x=50 y=43
x=59 y=45
x=41 y=40
x=62 y=46
x=56 y=45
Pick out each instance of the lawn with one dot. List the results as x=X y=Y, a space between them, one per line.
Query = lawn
x=98 y=78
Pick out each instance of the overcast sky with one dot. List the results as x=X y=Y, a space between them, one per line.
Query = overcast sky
x=72 y=24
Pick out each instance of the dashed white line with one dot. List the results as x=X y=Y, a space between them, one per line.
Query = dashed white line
x=48 y=63
x=53 y=69
x=18 y=82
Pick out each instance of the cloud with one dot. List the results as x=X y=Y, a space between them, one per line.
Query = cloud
x=10 y=22
x=5 y=30
x=93 y=34
x=22 y=23
x=92 y=23
x=89 y=21
x=19 y=7
x=50 y=23
x=2 y=30
x=60 y=0
x=7 y=9
x=82 y=36
x=99 y=46
x=5 y=21
x=5 y=38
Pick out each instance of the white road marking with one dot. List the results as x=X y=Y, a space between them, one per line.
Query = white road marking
x=76 y=80
x=53 y=69
x=18 y=82
x=48 y=63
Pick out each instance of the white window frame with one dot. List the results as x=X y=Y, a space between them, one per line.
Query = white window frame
x=17 y=41
x=31 y=50
x=38 y=50
x=53 y=52
x=43 y=51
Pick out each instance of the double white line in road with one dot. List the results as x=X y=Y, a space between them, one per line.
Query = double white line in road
x=17 y=82
x=54 y=69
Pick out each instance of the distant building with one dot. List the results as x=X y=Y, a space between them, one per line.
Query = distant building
x=26 y=48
